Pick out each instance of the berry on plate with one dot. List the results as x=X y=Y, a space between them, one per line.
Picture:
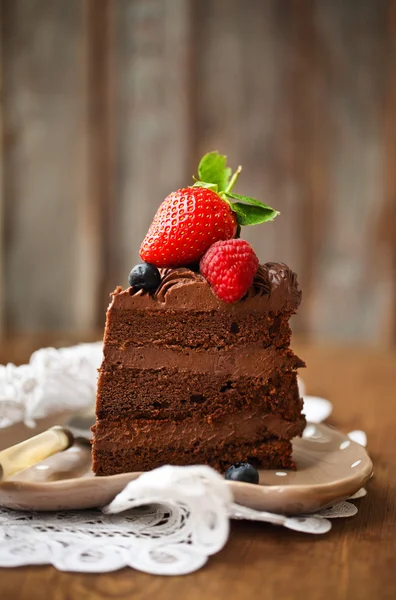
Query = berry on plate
x=230 y=267
x=242 y=472
x=191 y=219
x=144 y=277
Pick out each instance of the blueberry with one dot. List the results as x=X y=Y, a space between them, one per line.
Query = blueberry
x=144 y=277
x=242 y=472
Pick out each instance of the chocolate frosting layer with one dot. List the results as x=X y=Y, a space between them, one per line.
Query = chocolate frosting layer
x=249 y=360
x=246 y=426
x=274 y=289
x=176 y=277
x=277 y=279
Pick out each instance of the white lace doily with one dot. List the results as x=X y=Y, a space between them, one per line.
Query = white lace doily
x=168 y=521
x=175 y=518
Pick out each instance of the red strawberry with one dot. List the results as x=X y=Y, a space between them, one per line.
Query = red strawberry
x=190 y=220
x=185 y=226
x=230 y=267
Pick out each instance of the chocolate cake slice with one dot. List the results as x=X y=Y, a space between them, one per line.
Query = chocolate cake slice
x=189 y=379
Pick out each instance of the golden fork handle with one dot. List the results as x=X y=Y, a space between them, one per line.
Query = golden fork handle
x=34 y=450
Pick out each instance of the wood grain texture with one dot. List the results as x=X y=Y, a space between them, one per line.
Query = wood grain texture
x=296 y=93
x=310 y=132
x=152 y=120
x=2 y=280
x=44 y=160
x=95 y=207
x=351 y=276
x=354 y=560
x=242 y=110
x=107 y=107
x=387 y=228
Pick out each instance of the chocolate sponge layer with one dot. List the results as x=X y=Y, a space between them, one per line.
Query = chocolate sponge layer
x=201 y=330
x=174 y=395
x=266 y=454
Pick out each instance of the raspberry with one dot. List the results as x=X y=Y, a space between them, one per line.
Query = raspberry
x=230 y=267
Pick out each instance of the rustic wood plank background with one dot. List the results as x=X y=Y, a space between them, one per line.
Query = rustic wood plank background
x=107 y=106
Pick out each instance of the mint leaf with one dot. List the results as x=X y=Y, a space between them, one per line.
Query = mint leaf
x=213 y=169
x=253 y=215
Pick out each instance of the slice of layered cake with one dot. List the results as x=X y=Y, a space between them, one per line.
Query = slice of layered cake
x=197 y=366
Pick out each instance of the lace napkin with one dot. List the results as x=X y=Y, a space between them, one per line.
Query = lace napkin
x=52 y=382
x=166 y=522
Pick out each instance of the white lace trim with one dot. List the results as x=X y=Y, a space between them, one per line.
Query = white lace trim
x=167 y=522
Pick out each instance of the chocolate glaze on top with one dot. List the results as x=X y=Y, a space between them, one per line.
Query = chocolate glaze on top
x=274 y=289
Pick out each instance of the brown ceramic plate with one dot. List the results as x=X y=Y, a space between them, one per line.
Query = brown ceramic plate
x=330 y=468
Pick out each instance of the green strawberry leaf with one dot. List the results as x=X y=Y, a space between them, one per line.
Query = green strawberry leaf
x=253 y=211
x=250 y=200
x=252 y=215
x=213 y=169
x=209 y=186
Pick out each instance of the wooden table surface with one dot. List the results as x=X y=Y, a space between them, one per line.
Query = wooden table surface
x=355 y=560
